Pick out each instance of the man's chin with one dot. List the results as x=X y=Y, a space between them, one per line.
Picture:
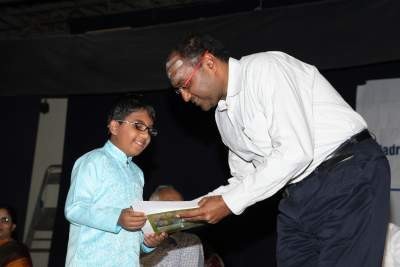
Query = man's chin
x=205 y=106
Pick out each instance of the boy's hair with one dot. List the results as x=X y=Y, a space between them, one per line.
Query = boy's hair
x=126 y=105
x=195 y=45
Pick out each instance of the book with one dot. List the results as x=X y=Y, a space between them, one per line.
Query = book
x=161 y=215
x=168 y=222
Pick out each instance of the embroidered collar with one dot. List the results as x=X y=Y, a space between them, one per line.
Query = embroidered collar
x=116 y=152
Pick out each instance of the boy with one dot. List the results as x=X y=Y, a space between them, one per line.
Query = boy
x=103 y=231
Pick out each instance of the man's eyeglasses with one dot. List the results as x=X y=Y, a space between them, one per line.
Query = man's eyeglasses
x=187 y=81
x=141 y=127
x=5 y=220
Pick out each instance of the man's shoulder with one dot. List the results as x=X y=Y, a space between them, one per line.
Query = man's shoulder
x=273 y=61
x=271 y=57
x=268 y=55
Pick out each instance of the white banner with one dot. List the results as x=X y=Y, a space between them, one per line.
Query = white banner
x=378 y=101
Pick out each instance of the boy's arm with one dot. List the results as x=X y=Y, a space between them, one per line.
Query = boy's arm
x=145 y=248
x=80 y=207
x=150 y=241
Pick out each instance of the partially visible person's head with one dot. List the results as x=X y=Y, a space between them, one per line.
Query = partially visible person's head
x=130 y=124
x=166 y=193
x=7 y=222
x=198 y=69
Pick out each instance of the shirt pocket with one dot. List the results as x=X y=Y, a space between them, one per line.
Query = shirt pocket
x=256 y=133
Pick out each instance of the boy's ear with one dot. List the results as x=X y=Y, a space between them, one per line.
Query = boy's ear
x=113 y=127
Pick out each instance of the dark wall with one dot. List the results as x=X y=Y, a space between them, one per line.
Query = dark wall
x=346 y=80
x=331 y=34
x=19 y=120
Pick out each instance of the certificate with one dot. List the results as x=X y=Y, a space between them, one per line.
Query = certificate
x=161 y=215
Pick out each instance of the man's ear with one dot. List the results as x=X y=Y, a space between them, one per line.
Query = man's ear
x=113 y=127
x=13 y=227
x=210 y=60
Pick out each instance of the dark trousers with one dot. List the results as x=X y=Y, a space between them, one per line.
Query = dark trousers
x=337 y=216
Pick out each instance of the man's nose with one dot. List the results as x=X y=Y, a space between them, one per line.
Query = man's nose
x=185 y=95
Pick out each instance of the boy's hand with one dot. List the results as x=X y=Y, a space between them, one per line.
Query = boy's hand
x=153 y=240
x=131 y=220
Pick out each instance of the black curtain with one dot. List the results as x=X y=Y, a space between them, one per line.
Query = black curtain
x=18 y=134
x=346 y=80
x=329 y=34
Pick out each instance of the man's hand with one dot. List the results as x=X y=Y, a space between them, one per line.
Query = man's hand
x=131 y=220
x=153 y=240
x=211 y=209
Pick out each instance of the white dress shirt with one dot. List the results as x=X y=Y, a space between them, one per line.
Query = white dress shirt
x=281 y=118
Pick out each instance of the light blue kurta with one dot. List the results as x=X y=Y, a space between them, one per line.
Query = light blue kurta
x=103 y=182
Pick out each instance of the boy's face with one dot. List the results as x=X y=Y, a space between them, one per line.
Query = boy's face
x=126 y=137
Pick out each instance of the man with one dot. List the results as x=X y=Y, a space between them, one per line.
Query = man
x=286 y=127
x=180 y=249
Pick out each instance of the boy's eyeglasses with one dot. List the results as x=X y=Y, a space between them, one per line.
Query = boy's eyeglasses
x=5 y=220
x=141 y=127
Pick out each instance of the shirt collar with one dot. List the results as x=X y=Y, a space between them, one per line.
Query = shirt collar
x=116 y=152
x=234 y=78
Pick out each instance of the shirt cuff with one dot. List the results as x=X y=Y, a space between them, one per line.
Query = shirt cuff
x=235 y=199
x=146 y=249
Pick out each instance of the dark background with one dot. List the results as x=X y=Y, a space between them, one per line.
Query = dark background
x=350 y=41
x=187 y=153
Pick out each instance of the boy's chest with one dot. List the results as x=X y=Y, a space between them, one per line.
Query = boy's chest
x=121 y=185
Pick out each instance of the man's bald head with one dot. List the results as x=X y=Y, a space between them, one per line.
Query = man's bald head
x=166 y=193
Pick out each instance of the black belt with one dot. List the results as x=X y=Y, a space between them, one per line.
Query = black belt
x=340 y=154
x=343 y=152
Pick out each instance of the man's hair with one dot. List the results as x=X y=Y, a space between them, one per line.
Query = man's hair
x=195 y=44
x=126 y=105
